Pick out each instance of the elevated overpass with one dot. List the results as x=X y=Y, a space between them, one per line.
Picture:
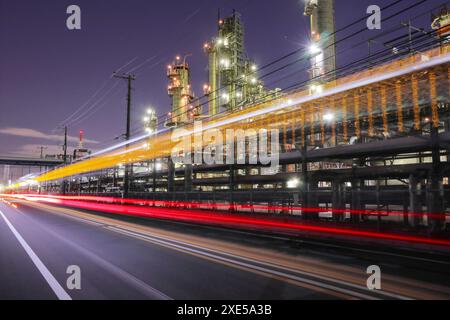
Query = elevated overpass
x=29 y=162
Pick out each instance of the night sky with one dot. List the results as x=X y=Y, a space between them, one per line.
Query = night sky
x=47 y=72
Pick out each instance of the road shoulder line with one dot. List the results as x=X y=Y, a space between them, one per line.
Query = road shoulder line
x=51 y=280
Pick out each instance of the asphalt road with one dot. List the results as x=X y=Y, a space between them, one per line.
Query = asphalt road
x=125 y=258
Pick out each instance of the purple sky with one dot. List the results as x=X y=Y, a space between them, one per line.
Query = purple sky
x=48 y=72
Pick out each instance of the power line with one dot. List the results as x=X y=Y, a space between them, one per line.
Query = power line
x=129 y=78
x=305 y=57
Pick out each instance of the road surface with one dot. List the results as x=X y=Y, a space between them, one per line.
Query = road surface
x=130 y=258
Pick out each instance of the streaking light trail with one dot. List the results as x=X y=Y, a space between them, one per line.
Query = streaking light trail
x=162 y=144
x=208 y=217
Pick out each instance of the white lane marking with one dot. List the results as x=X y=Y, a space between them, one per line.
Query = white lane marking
x=116 y=271
x=83 y=220
x=156 y=240
x=259 y=268
x=53 y=283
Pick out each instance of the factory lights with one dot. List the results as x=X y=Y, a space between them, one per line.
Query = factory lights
x=293 y=183
x=225 y=63
x=328 y=117
x=315 y=88
x=150 y=121
x=314 y=49
x=226 y=97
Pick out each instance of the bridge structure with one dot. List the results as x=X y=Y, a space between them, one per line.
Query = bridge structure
x=29 y=162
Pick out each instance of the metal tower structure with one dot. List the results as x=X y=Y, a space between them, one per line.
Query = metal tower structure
x=180 y=91
x=233 y=78
x=323 y=49
x=80 y=151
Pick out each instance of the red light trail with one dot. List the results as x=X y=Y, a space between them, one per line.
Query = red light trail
x=159 y=210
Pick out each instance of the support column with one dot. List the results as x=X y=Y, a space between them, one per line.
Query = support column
x=435 y=194
x=232 y=185
x=188 y=178
x=154 y=175
x=356 y=200
x=170 y=175
x=305 y=181
x=312 y=198
x=337 y=200
x=415 y=206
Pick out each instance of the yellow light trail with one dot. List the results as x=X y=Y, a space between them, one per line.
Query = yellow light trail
x=262 y=114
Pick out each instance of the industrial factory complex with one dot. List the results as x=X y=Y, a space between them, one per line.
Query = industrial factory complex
x=361 y=143
x=225 y=159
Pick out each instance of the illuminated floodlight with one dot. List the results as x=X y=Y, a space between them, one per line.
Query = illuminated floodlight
x=254 y=67
x=328 y=117
x=253 y=80
x=225 y=63
x=315 y=88
x=293 y=183
x=314 y=49
x=225 y=96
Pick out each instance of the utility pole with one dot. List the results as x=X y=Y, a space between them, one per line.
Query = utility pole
x=129 y=78
x=63 y=182
x=42 y=148
x=65 y=145
x=412 y=28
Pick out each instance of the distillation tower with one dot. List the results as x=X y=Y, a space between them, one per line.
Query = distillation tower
x=233 y=78
x=180 y=91
x=323 y=48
